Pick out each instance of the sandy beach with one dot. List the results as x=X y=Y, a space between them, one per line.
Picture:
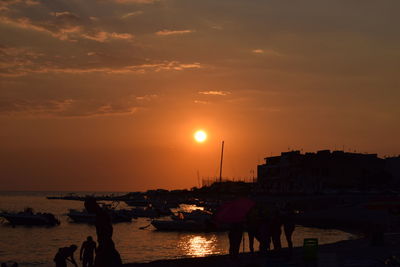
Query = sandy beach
x=355 y=253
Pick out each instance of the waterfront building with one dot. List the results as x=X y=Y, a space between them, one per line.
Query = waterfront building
x=392 y=166
x=324 y=170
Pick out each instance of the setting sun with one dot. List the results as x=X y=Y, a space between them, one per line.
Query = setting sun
x=200 y=136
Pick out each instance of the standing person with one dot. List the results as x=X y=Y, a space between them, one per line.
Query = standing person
x=253 y=227
x=289 y=225
x=235 y=238
x=87 y=251
x=65 y=254
x=276 y=230
x=106 y=254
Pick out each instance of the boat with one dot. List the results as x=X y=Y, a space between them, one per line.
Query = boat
x=82 y=216
x=181 y=225
x=149 y=212
x=28 y=217
x=195 y=221
x=137 y=202
x=196 y=215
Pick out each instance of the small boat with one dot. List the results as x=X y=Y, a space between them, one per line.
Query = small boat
x=181 y=225
x=147 y=212
x=137 y=202
x=165 y=204
x=197 y=215
x=28 y=217
x=195 y=221
x=82 y=216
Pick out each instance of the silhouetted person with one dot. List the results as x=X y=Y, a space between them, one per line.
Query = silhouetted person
x=3 y=264
x=275 y=226
x=106 y=254
x=259 y=227
x=86 y=254
x=235 y=238
x=289 y=225
x=253 y=226
x=265 y=235
x=65 y=254
x=14 y=264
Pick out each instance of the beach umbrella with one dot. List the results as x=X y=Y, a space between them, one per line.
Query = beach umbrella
x=234 y=211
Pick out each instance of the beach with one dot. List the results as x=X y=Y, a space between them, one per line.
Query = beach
x=355 y=253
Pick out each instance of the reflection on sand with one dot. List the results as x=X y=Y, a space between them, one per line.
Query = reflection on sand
x=198 y=246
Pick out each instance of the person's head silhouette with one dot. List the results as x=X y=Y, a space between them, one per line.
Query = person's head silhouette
x=91 y=205
x=89 y=238
x=73 y=247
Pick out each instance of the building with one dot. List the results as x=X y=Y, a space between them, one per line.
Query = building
x=314 y=172
x=392 y=166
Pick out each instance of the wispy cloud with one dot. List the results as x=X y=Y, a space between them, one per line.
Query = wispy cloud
x=258 y=51
x=20 y=61
x=103 y=36
x=6 y=4
x=136 y=1
x=65 y=26
x=201 y=102
x=173 y=32
x=132 y=14
x=68 y=107
x=268 y=52
x=220 y=93
x=146 y=97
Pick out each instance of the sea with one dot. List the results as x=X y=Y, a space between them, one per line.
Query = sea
x=36 y=246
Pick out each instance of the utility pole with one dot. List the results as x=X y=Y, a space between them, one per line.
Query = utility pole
x=198 y=178
x=220 y=167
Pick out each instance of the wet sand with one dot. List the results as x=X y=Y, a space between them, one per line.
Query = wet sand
x=355 y=253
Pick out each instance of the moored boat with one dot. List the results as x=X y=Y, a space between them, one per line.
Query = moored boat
x=181 y=225
x=82 y=216
x=28 y=217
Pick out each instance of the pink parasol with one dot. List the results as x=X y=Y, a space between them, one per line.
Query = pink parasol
x=234 y=211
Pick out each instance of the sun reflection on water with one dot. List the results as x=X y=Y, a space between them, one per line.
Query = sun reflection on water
x=198 y=246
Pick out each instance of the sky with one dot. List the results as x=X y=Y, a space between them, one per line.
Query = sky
x=107 y=94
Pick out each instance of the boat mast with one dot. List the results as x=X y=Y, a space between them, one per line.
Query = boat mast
x=220 y=167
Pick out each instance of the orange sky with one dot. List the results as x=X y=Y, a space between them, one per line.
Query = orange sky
x=106 y=94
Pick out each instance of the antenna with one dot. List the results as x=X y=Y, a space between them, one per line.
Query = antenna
x=220 y=166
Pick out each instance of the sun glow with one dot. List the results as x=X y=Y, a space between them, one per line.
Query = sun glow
x=200 y=136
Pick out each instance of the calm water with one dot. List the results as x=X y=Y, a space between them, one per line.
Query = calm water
x=36 y=246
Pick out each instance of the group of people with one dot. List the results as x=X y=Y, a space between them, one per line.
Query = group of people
x=86 y=254
x=102 y=255
x=264 y=224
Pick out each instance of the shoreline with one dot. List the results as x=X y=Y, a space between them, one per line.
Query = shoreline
x=342 y=253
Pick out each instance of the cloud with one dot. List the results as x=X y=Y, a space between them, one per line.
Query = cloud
x=103 y=36
x=13 y=60
x=268 y=52
x=68 y=107
x=136 y=1
x=65 y=26
x=173 y=32
x=201 y=102
x=21 y=61
x=5 y=4
x=258 y=51
x=132 y=14
x=146 y=97
x=220 y=93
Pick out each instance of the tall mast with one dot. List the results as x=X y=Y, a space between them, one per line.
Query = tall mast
x=220 y=167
